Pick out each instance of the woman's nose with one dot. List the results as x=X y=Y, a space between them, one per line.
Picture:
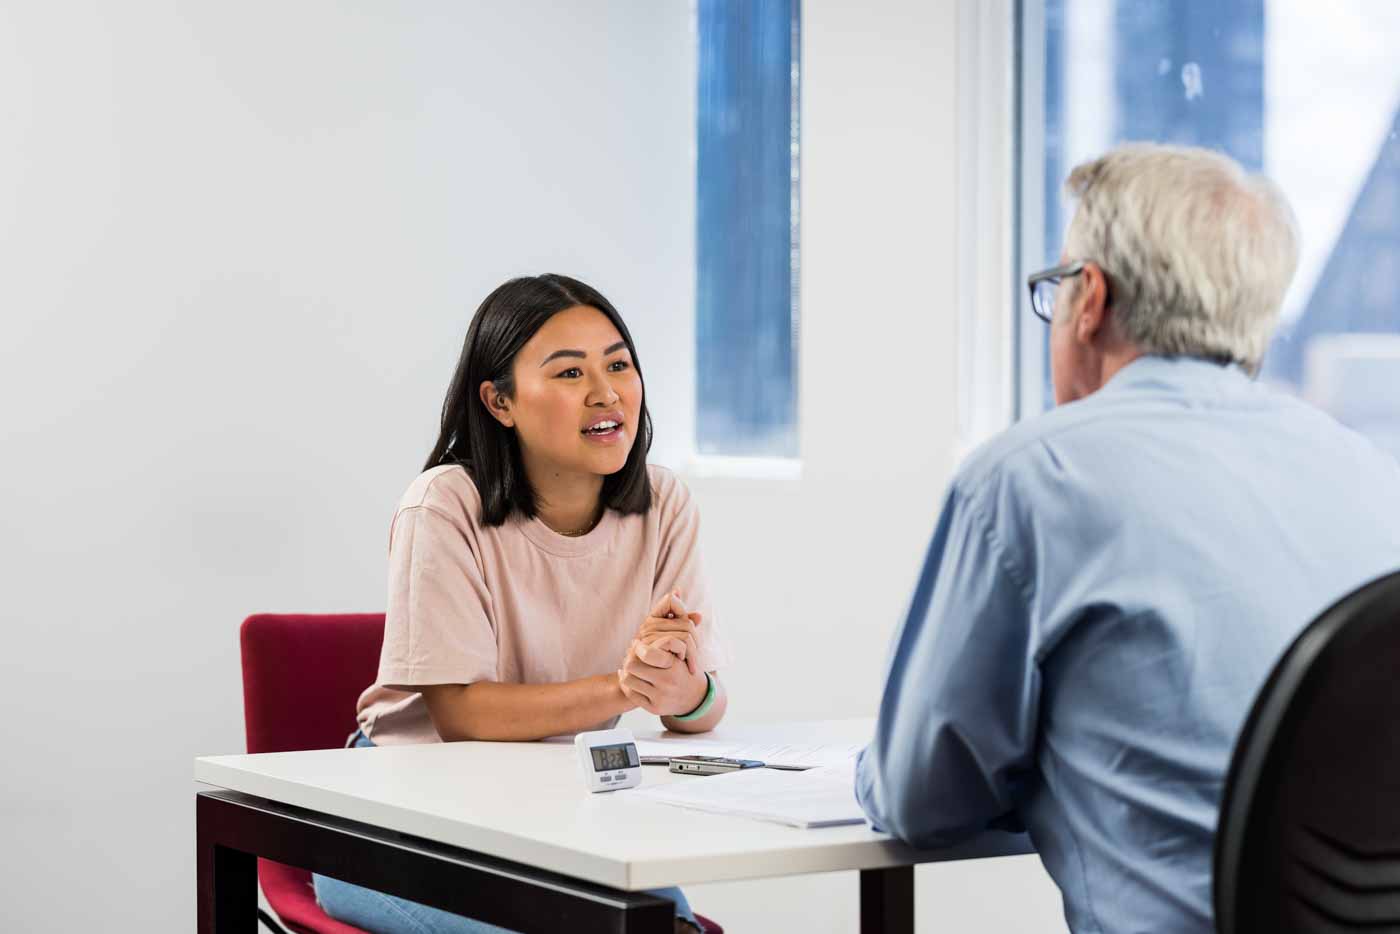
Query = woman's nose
x=602 y=393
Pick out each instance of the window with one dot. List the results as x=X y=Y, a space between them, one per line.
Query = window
x=746 y=228
x=1306 y=92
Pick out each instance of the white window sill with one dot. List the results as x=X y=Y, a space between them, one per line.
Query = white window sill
x=712 y=467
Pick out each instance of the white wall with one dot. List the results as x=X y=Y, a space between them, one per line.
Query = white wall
x=239 y=245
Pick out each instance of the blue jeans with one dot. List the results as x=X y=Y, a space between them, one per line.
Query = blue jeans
x=389 y=914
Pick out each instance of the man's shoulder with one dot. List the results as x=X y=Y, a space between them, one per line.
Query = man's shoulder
x=1029 y=441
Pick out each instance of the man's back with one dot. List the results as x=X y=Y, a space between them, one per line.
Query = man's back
x=1147 y=554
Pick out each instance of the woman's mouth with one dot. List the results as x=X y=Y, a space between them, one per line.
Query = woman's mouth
x=604 y=430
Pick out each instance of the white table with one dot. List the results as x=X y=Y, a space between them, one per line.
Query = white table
x=506 y=832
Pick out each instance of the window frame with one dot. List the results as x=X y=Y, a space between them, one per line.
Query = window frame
x=1029 y=179
x=991 y=170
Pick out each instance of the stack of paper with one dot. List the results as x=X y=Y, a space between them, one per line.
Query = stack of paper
x=776 y=755
x=820 y=797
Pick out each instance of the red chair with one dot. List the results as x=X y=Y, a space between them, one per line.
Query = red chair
x=301 y=678
x=302 y=675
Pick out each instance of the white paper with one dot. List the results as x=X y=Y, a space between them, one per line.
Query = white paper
x=821 y=797
x=779 y=754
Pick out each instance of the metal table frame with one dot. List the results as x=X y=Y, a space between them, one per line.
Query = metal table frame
x=234 y=829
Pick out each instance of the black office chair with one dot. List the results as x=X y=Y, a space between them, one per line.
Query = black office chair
x=1309 y=832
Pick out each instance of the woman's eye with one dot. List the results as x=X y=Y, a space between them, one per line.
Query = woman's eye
x=617 y=366
x=571 y=372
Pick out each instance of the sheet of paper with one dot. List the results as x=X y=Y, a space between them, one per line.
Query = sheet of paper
x=780 y=754
x=822 y=797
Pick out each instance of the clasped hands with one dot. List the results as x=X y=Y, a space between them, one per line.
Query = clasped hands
x=661 y=672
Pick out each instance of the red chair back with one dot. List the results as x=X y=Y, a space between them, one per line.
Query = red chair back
x=301 y=678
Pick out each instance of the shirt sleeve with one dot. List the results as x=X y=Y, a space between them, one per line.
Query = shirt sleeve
x=955 y=738
x=437 y=628
x=679 y=568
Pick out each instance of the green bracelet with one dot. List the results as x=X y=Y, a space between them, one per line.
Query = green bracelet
x=705 y=704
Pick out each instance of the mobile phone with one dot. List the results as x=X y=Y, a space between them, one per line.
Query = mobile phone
x=711 y=765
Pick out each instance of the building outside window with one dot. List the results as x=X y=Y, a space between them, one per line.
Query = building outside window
x=1308 y=93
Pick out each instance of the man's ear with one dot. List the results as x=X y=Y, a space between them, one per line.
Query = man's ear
x=1091 y=304
x=496 y=403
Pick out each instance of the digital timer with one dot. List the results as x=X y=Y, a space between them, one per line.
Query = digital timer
x=608 y=759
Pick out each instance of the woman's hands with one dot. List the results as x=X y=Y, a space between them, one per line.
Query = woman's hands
x=661 y=673
x=672 y=627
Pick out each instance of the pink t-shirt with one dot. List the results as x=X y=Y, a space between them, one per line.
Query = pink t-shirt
x=519 y=603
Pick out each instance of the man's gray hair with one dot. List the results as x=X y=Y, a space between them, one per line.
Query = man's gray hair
x=1198 y=253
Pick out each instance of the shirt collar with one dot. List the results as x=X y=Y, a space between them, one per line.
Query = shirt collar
x=1178 y=372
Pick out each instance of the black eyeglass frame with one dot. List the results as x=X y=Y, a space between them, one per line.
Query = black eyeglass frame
x=1052 y=276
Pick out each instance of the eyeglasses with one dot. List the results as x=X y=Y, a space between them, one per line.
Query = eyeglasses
x=1043 y=285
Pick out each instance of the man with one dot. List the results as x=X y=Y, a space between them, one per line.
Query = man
x=1110 y=583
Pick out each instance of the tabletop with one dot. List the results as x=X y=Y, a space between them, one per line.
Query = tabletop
x=526 y=802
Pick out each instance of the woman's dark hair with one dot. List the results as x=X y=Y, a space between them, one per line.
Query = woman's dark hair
x=490 y=451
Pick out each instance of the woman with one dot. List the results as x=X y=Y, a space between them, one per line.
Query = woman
x=542 y=578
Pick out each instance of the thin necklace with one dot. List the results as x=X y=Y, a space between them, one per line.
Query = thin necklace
x=575 y=533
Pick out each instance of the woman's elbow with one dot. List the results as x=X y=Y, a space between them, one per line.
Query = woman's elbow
x=454 y=717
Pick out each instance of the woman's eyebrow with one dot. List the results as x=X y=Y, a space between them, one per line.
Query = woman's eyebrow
x=564 y=353
x=620 y=345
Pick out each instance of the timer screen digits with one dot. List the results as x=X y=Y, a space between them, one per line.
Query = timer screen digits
x=608 y=758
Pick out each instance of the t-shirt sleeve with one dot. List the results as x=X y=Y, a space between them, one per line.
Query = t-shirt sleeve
x=679 y=568
x=437 y=628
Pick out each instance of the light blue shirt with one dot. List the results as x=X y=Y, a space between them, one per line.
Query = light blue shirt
x=1107 y=589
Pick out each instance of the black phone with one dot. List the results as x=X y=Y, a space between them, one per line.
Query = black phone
x=711 y=765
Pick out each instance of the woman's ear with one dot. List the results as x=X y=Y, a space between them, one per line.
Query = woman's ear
x=496 y=403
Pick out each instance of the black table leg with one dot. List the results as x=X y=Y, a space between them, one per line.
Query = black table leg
x=228 y=883
x=887 y=901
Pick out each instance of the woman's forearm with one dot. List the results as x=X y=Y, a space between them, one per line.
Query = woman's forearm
x=707 y=722
x=487 y=710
